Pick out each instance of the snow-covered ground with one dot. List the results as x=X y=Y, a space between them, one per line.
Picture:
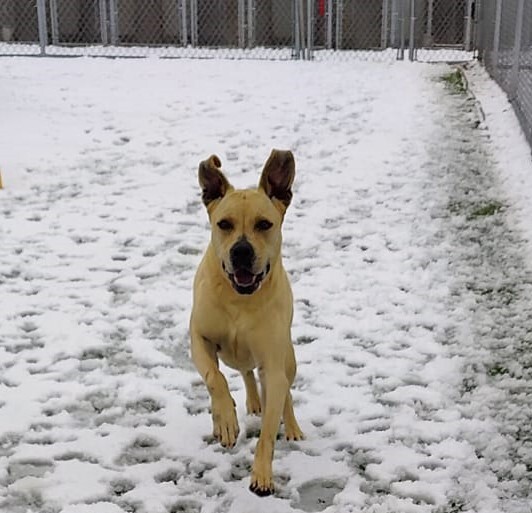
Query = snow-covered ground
x=408 y=245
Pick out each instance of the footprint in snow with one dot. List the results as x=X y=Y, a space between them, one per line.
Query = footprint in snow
x=144 y=449
x=318 y=494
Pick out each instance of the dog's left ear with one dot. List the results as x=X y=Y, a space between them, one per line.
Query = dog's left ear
x=213 y=182
x=278 y=176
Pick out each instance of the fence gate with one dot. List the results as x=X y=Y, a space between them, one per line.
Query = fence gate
x=309 y=29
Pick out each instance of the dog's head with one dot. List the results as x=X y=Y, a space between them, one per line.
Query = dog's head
x=246 y=223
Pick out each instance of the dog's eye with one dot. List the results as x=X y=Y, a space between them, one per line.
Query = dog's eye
x=225 y=225
x=263 y=225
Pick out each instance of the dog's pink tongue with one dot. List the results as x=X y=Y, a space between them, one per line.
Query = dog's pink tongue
x=244 y=277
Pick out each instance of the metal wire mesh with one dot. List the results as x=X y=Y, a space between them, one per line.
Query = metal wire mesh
x=18 y=23
x=524 y=75
x=271 y=24
x=447 y=27
x=74 y=22
x=383 y=29
x=318 y=29
x=361 y=25
x=350 y=27
x=505 y=44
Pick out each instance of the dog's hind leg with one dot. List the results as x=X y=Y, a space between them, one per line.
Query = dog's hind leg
x=291 y=427
x=252 y=395
x=292 y=430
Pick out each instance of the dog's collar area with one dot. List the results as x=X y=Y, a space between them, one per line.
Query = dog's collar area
x=244 y=281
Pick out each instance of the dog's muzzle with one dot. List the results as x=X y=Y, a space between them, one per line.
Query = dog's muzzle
x=244 y=281
x=242 y=262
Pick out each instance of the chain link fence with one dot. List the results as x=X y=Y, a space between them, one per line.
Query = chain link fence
x=505 y=48
x=271 y=29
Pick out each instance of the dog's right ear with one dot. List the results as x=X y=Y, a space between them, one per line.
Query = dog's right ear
x=214 y=185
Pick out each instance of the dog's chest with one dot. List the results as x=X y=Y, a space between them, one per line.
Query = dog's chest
x=235 y=351
x=234 y=341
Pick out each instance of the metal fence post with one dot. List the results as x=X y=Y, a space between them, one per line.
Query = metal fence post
x=193 y=23
x=182 y=12
x=468 y=23
x=299 y=28
x=329 y=24
x=113 y=22
x=103 y=22
x=393 y=24
x=428 y=39
x=478 y=33
x=251 y=23
x=514 y=76
x=401 y=47
x=384 y=26
x=339 y=16
x=310 y=28
x=301 y=7
x=411 y=42
x=297 y=31
x=241 y=16
x=54 y=22
x=496 y=37
x=43 y=25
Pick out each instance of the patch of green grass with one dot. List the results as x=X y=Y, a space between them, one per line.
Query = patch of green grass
x=455 y=81
x=475 y=210
x=505 y=294
x=488 y=209
x=497 y=369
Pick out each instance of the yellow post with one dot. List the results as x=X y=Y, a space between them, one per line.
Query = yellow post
x=1 y=184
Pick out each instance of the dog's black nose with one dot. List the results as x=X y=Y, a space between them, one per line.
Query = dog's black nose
x=242 y=254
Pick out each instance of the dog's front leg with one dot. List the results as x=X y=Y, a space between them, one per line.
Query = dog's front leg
x=275 y=389
x=224 y=420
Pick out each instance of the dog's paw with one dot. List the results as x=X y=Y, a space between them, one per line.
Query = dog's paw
x=253 y=406
x=261 y=485
x=225 y=427
x=293 y=433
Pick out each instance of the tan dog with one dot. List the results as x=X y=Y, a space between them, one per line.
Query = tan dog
x=242 y=309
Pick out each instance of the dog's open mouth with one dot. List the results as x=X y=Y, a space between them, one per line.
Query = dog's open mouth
x=244 y=281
